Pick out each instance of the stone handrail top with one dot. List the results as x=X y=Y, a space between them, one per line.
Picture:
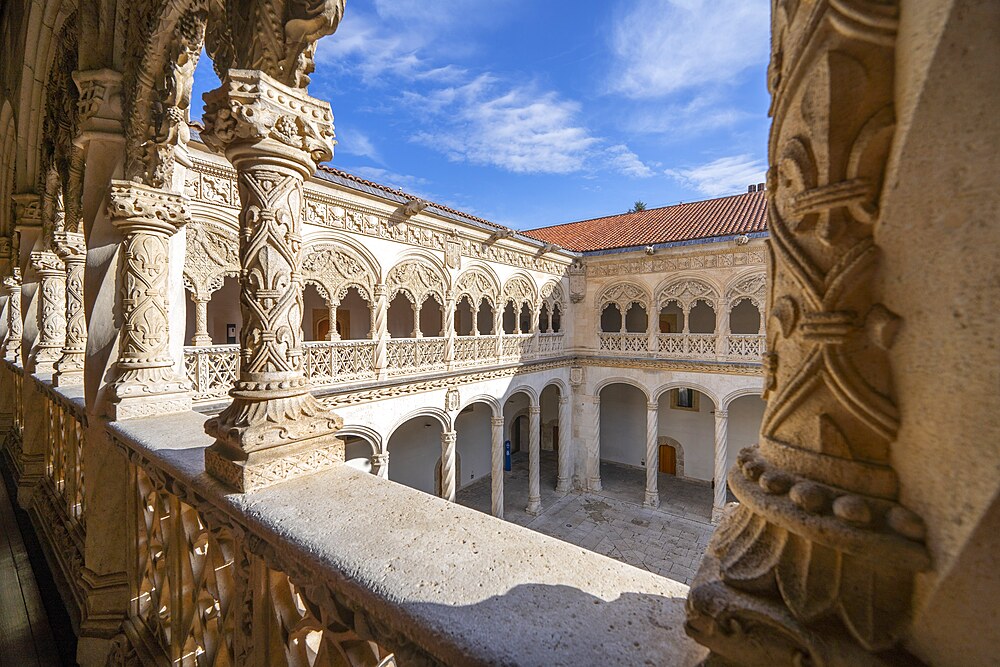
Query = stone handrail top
x=447 y=583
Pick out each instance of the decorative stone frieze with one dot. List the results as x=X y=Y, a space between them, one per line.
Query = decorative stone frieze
x=72 y=249
x=145 y=382
x=816 y=565
x=705 y=260
x=275 y=429
x=12 y=286
x=51 y=314
x=99 y=106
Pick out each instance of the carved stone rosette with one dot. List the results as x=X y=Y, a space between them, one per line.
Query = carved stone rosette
x=51 y=311
x=12 y=285
x=274 y=429
x=72 y=249
x=816 y=564
x=146 y=383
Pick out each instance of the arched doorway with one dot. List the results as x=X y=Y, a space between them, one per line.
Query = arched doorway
x=414 y=453
x=622 y=449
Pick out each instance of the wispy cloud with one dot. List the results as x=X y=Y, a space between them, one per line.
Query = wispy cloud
x=663 y=46
x=386 y=177
x=355 y=142
x=518 y=128
x=726 y=175
x=623 y=160
x=703 y=113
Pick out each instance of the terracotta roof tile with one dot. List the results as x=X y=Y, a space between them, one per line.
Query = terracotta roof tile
x=736 y=214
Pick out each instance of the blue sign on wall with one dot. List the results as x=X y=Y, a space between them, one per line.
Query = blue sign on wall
x=506 y=455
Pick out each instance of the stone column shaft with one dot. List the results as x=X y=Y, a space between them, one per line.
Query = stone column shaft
x=201 y=336
x=721 y=444
x=12 y=346
x=333 y=334
x=594 y=447
x=417 y=333
x=449 y=328
x=652 y=498
x=448 y=482
x=534 y=459
x=380 y=328
x=145 y=381
x=72 y=249
x=721 y=326
x=51 y=314
x=565 y=474
x=497 y=460
x=275 y=429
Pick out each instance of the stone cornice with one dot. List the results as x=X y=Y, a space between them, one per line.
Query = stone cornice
x=131 y=205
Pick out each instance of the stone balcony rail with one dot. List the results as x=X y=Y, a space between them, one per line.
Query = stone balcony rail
x=709 y=347
x=212 y=370
x=342 y=567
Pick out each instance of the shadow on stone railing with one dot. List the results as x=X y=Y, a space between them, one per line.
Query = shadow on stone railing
x=342 y=568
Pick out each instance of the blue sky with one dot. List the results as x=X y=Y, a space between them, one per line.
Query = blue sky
x=536 y=112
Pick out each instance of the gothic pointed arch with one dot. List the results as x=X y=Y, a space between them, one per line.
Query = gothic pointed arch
x=686 y=291
x=335 y=266
x=478 y=282
x=519 y=288
x=751 y=286
x=417 y=278
x=211 y=254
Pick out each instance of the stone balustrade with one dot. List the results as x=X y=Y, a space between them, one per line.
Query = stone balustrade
x=212 y=370
x=709 y=347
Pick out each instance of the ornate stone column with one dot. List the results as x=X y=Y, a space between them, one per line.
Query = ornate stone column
x=652 y=497
x=72 y=249
x=534 y=459
x=145 y=383
x=51 y=312
x=12 y=346
x=721 y=327
x=201 y=336
x=817 y=563
x=498 y=329
x=448 y=439
x=475 y=319
x=449 y=328
x=333 y=334
x=721 y=454
x=564 y=481
x=496 y=460
x=274 y=136
x=380 y=328
x=417 y=333
x=594 y=446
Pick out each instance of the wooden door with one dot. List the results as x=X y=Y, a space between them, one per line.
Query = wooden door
x=668 y=460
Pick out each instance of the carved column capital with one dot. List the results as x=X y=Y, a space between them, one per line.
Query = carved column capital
x=27 y=210
x=497 y=422
x=252 y=113
x=69 y=246
x=722 y=414
x=534 y=409
x=46 y=263
x=136 y=208
x=449 y=437
x=100 y=103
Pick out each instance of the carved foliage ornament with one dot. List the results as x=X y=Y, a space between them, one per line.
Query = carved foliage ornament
x=519 y=290
x=686 y=292
x=753 y=287
x=477 y=285
x=417 y=280
x=623 y=295
x=212 y=253
x=816 y=565
x=335 y=269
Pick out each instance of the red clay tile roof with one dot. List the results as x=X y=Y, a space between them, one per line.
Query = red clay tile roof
x=737 y=214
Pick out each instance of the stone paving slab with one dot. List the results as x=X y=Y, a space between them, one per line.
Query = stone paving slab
x=668 y=541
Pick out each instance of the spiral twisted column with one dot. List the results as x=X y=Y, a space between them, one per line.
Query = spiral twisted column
x=652 y=498
x=145 y=383
x=594 y=446
x=72 y=249
x=448 y=439
x=380 y=328
x=817 y=563
x=534 y=459
x=496 y=460
x=12 y=345
x=274 y=429
x=721 y=469
x=565 y=474
x=51 y=316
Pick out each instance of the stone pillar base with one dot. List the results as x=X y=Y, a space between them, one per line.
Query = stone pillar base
x=594 y=484
x=564 y=485
x=651 y=500
x=534 y=507
x=266 y=467
x=134 y=407
x=68 y=378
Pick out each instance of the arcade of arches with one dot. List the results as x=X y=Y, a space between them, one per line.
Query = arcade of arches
x=257 y=410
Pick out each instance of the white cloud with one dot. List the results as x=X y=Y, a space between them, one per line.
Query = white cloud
x=518 y=129
x=727 y=175
x=663 y=46
x=621 y=159
x=356 y=142
x=703 y=113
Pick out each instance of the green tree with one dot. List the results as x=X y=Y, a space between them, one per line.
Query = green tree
x=637 y=206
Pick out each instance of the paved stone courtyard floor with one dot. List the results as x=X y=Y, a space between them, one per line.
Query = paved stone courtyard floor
x=668 y=541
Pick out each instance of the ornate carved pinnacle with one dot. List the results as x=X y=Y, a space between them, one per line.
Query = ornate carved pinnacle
x=252 y=115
